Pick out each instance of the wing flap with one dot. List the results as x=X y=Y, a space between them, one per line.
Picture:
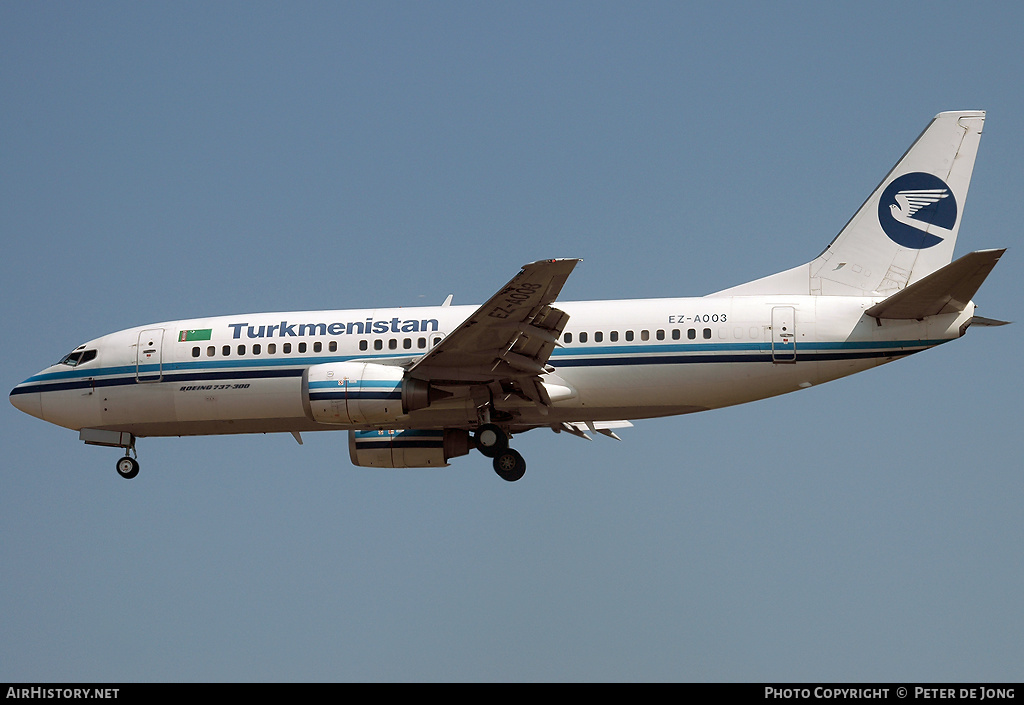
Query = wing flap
x=577 y=428
x=946 y=290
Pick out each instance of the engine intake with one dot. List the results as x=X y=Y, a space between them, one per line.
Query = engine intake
x=361 y=393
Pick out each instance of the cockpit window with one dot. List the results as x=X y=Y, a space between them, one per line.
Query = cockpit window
x=78 y=357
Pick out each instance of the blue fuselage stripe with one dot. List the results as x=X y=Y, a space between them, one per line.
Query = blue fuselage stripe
x=187 y=372
x=354 y=394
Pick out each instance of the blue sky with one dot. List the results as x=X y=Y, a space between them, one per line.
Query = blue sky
x=169 y=160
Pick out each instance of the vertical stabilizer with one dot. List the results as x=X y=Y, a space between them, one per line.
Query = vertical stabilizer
x=905 y=230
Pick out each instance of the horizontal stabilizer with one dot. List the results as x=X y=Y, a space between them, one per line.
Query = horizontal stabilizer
x=946 y=290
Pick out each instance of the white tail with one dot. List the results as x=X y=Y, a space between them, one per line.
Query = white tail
x=905 y=230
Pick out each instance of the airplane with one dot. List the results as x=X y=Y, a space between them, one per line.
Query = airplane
x=416 y=387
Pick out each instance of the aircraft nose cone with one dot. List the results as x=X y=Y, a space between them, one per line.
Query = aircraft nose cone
x=27 y=401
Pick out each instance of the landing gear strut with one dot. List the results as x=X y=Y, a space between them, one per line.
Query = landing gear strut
x=128 y=466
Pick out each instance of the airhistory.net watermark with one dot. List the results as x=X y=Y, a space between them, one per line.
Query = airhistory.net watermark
x=62 y=693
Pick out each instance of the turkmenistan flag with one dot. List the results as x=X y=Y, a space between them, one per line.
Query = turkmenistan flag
x=202 y=334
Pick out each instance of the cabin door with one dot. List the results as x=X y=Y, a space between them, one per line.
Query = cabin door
x=149 y=359
x=783 y=334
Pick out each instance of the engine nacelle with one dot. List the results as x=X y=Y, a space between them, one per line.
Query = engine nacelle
x=354 y=393
x=406 y=449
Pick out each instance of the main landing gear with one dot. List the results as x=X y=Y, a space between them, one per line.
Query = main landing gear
x=492 y=441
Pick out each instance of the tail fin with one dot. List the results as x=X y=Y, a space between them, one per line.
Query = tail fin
x=905 y=230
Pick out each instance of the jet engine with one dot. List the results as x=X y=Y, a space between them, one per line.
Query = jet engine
x=354 y=393
x=364 y=393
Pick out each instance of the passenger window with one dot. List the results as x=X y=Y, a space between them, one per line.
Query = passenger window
x=362 y=345
x=271 y=348
x=568 y=337
x=675 y=334
x=660 y=335
x=302 y=347
x=393 y=344
x=241 y=350
x=318 y=346
x=598 y=336
x=692 y=334
x=333 y=347
x=421 y=343
x=256 y=349
x=211 y=351
x=614 y=336
x=645 y=335
x=707 y=334
x=583 y=337
x=286 y=348
x=629 y=335
x=407 y=343
x=378 y=344
x=195 y=351
x=226 y=350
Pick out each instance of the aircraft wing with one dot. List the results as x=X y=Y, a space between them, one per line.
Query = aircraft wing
x=508 y=338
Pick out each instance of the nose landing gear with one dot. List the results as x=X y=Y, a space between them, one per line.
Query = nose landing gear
x=128 y=466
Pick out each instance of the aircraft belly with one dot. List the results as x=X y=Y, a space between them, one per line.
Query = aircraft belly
x=219 y=427
x=659 y=389
x=704 y=386
x=173 y=408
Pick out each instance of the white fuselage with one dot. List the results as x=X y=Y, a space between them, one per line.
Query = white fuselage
x=617 y=360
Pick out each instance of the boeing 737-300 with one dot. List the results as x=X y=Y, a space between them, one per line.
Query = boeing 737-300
x=415 y=387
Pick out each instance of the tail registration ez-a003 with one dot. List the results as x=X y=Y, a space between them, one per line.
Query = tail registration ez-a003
x=416 y=387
